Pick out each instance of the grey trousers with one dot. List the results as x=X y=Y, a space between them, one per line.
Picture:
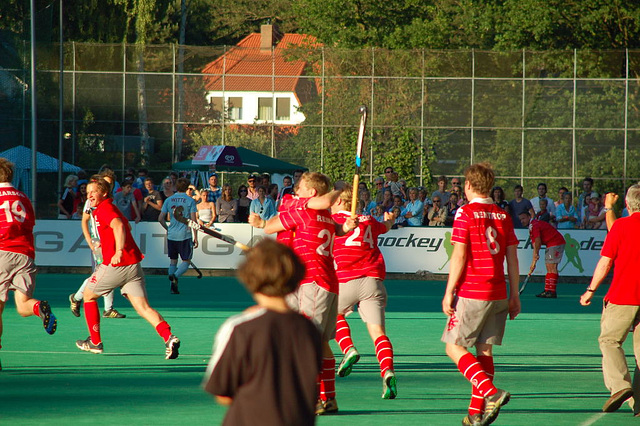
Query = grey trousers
x=615 y=324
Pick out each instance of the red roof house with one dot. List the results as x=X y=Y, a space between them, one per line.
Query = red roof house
x=255 y=75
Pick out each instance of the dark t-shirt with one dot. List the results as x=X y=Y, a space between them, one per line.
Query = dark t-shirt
x=268 y=362
x=517 y=208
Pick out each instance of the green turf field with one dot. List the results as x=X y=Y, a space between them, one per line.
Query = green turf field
x=550 y=362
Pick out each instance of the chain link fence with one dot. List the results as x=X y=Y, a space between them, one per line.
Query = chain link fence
x=554 y=116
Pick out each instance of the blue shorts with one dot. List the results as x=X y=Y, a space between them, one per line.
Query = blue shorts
x=183 y=248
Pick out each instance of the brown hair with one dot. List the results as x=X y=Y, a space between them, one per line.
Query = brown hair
x=346 y=196
x=480 y=177
x=6 y=170
x=271 y=268
x=182 y=184
x=102 y=184
x=225 y=196
x=101 y=176
x=317 y=181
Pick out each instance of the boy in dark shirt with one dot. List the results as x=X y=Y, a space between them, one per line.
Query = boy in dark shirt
x=266 y=360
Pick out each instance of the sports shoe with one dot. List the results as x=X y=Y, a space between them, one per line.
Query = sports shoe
x=326 y=407
x=112 y=313
x=49 y=320
x=351 y=357
x=616 y=400
x=548 y=295
x=87 y=345
x=492 y=405
x=472 y=420
x=75 y=305
x=173 y=344
x=389 y=389
x=174 y=284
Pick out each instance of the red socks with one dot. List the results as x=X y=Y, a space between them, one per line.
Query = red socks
x=328 y=379
x=343 y=334
x=472 y=371
x=92 y=315
x=550 y=282
x=36 y=309
x=384 y=353
x=164 y=330
x=477 y=400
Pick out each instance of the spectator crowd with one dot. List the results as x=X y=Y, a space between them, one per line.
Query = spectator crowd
x=140 y=198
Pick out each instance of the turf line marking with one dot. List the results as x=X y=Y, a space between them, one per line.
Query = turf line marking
x=592 y=420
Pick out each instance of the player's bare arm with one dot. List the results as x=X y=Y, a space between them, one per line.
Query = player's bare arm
x=513 y=271
x=325 y=201
x=388 y=220
x=610 y=200
x=458 y=259
x=224 y=400
x=84 y=224
x=537 y=243
x=120 y=236
x=194 y=218
x=270 y=226
x=349 y=225
x=602 y=269
x=162 y=219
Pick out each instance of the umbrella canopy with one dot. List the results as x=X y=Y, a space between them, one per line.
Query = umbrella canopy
x=252 y=162
x=20 y=156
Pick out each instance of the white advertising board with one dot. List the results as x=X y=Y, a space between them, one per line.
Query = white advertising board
x=406 y=250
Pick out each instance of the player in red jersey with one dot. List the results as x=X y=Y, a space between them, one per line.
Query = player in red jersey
x=17 y=252
x=361 y=272
x=542 y=232
x=120 y=269
x=317 y=297
x=476 y=299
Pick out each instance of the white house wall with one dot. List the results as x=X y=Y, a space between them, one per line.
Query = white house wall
x=250 y=106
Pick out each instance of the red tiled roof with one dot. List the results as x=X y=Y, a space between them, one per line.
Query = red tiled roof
x=245 y=60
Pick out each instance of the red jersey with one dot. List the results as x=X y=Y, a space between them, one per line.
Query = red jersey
x=357 y=254
x=17 y=220
x=487 y=231
x=313 y=234
x=621 y=245
x=104 y=214
x=549 y=235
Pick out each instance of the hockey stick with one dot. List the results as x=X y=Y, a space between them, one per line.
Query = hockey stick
x=178 y=214
x=195 y=268
x=524 y=284
x=356 y=177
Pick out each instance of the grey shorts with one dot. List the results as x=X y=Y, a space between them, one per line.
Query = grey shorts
x=130 y=280
x=476 y=321
x=317 y=304
x=554 y=254
x=369 y=294
x=17 y=273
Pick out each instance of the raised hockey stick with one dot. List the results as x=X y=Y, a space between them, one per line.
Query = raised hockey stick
x=524 y=284
x=356 y=177
x=195 y=268
x=178 y=213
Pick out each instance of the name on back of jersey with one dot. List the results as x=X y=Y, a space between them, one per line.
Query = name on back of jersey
x=489 y=215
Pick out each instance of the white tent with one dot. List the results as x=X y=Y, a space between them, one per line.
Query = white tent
x=20 y=156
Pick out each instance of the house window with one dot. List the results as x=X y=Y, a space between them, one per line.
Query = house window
x=265 y=109
x=215 y=108
x=235 y=108
x=283 y=108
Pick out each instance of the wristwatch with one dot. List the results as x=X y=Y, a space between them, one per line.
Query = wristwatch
x=607 y=209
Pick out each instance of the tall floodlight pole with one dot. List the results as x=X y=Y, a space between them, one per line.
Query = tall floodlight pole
x=60 y=102
x=34 y=142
